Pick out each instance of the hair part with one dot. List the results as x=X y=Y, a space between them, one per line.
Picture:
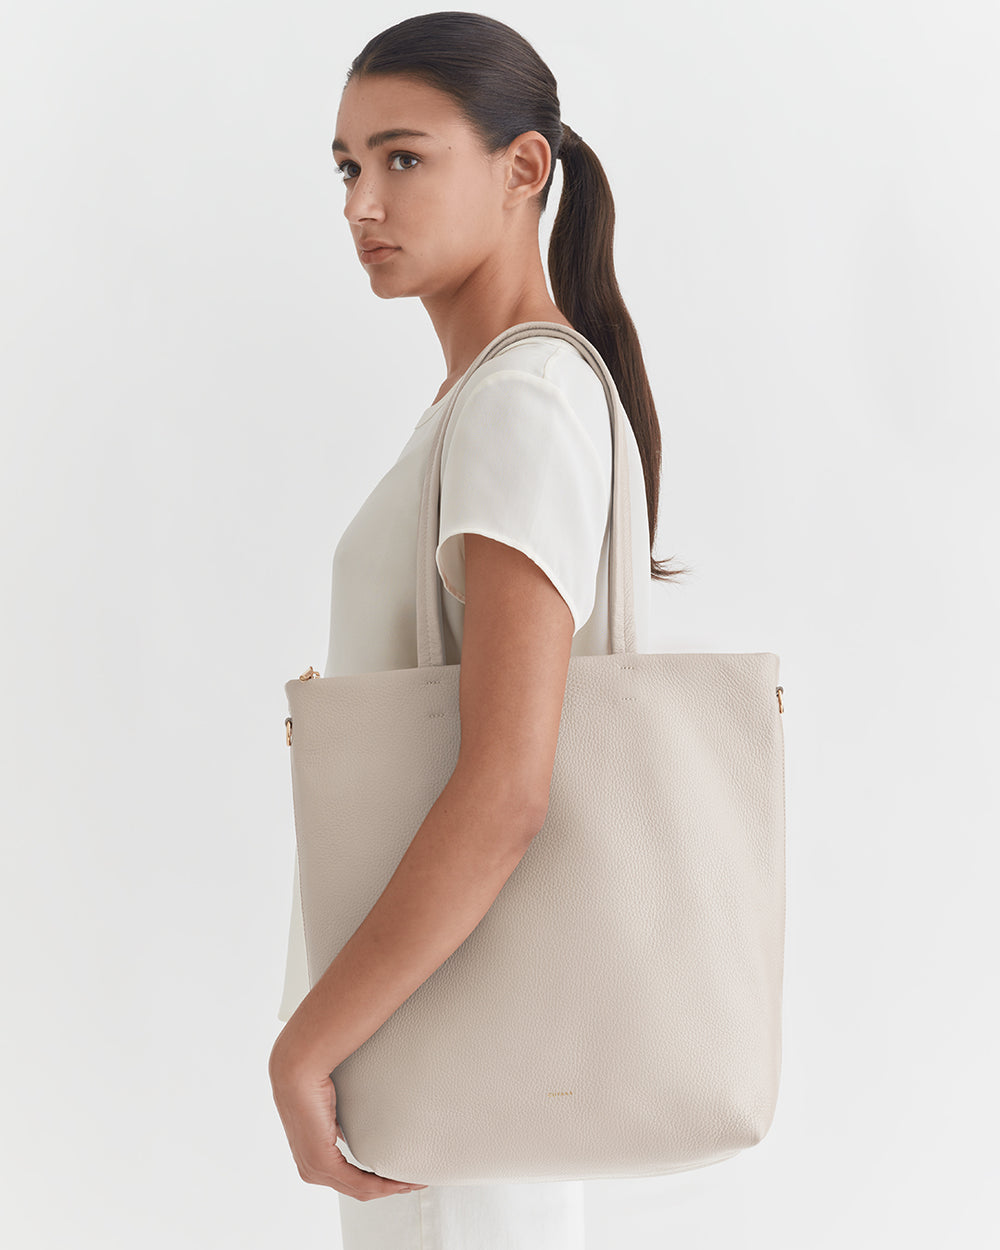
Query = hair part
x=503 y=88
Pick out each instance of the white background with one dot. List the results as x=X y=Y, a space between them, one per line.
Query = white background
x=199 y=389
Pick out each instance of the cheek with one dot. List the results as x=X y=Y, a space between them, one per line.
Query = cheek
x=447 y=225
x=462 y=200
x=473 y=219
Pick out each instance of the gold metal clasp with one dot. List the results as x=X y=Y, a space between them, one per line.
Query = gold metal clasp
x=310 y=672
x=778 y=691
x=288 y=730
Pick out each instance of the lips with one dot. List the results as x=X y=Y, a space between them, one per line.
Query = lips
x=375 y=252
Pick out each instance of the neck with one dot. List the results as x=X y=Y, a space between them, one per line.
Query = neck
x=492 y=298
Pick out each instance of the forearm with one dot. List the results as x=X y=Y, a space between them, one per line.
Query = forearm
x=454 y=868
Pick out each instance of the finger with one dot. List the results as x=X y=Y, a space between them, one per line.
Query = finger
x=362 y=1184
x=319 y=1158
x=311 y=1125
x=320 y=1164
x=410 y=1184
x=348 y=1179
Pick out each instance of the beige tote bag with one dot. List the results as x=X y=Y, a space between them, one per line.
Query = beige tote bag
x=617 y=1011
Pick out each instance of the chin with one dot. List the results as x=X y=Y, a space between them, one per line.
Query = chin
x=385 y=288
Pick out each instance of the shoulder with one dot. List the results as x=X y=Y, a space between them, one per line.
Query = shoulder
x=548 y=384
x=539 y=359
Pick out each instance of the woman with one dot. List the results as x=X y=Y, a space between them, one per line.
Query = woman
x=447 y=133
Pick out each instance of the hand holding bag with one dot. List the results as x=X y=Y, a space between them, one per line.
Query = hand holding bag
x=617 y=1011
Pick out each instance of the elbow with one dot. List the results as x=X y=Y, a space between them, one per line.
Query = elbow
x=534 y=809
x=519 y=815
x=516 y=808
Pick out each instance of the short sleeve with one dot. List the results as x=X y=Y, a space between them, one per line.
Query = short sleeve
x=519 y=465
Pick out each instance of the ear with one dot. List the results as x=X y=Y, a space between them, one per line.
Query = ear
x=527 y=165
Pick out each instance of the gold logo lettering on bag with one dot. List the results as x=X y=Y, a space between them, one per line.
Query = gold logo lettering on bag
x=560 y=1093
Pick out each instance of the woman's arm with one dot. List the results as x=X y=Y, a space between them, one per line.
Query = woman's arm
x=516 y=640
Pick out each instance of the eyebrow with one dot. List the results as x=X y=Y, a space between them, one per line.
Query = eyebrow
x=382 y=136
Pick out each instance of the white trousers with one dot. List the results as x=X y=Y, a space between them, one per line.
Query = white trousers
x=545 y=1215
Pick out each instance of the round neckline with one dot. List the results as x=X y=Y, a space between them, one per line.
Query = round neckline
x=429 y=412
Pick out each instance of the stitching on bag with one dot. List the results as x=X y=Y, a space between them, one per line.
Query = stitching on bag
x=630 y=697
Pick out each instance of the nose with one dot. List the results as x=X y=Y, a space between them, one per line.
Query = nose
x=364 y=201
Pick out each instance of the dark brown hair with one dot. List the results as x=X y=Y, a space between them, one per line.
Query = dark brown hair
x=503 y=88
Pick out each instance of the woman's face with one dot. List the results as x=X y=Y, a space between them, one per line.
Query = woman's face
x=436 y=198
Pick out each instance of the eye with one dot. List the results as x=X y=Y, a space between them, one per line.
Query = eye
x=396 y=156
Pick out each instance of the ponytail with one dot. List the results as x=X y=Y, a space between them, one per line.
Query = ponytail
x=584 y=285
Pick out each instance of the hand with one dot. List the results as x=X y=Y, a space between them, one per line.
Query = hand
x=307 y=1104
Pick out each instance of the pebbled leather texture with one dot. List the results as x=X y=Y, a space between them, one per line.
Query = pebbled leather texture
x=617 y=1011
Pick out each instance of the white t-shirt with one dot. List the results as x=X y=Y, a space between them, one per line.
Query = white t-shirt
x=526 y=460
